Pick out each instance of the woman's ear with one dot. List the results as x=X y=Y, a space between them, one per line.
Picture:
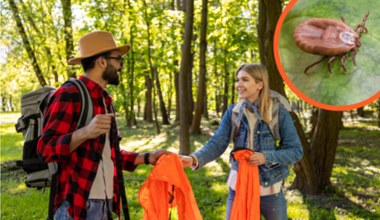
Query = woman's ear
x=261 y=85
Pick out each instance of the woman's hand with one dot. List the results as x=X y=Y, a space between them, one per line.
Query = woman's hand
x=256 y=159
x=187 y=161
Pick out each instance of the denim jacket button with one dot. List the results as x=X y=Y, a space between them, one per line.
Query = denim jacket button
x=266 y=184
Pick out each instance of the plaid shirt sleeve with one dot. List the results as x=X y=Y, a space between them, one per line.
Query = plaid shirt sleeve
x=59 y=123
x=128 y=159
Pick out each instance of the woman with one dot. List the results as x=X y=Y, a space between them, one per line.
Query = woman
x=254 y=110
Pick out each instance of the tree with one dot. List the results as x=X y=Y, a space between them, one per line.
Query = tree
x=68 y=32
x=314 y=170
x=195 y=127
x=185 y=71
x=26 y=42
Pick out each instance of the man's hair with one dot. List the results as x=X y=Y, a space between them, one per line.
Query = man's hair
x=89 y=63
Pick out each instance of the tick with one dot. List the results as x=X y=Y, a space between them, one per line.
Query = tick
x=330 y=38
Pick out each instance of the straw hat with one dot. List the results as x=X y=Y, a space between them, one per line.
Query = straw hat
x=97 y=42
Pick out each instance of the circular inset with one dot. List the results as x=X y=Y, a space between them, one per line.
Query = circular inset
x=342 y=26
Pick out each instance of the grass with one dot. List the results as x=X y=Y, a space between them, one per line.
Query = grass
x=354 y=194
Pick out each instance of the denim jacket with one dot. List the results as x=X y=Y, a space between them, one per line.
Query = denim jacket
x=275 y=168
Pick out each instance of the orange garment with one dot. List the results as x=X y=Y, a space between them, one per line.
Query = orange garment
x=247 y=197
x=155 y=193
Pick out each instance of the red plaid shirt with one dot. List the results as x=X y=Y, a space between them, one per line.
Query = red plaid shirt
x=78 y=168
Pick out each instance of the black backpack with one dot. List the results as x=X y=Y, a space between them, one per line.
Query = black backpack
x=33 y=104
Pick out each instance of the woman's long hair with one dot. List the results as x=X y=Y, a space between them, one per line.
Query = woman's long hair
x=259 y=73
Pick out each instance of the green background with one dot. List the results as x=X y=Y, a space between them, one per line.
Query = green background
x=361 y=81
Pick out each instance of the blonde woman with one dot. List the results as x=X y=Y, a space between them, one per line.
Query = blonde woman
x=255 y=111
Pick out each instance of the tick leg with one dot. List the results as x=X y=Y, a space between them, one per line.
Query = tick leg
x=362 y=28
x=342 y=18
x=329 y=64
x=313 y=64
x=354 y=56
x=344 y=57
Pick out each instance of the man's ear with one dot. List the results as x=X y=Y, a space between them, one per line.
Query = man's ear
x=101 y=62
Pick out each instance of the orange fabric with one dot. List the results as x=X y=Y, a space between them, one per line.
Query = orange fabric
x=247 y=197
x=156 y=191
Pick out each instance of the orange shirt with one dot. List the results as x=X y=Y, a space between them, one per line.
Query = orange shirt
x=156 y=192
x=247 y=197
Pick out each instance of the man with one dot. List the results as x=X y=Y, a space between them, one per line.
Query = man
x=87 y=181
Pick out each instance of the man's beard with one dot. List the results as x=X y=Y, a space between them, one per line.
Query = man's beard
x=111 y=75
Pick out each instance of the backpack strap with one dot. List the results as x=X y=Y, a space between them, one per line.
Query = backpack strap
x=277 y=100
x=235 y=123
x=120 y=179
x=87 y=110
x=85 y=117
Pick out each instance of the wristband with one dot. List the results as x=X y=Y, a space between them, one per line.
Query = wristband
x=146 y=158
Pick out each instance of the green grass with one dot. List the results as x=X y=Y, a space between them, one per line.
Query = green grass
x=354 y=194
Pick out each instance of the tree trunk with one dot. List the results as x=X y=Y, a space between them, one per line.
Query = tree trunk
x=177 y=104
x=361 y=112
x=170 y=94
x=131 y=116
x=205 y=104
x=164 y=113
x=269 y=13
x=325 y=142
x=158 y=130
x=26 y=43
x=226 y=82
x=148 y=115
x=304 y=169
x=184 y=137
x=196 y=122
x=42 y=36
x=314 y=169
x=68 y=31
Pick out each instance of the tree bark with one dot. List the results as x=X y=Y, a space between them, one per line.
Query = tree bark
x=68 y=31
x=196 y=122
x=361 y=112
x=26 y=43
x=42 y=36
x=148 y=114
x=164 y=113
x=314 y=170
x=269 y=13
x=226 y=82
x=184 y=137
x=205 y=104
x=177 y=104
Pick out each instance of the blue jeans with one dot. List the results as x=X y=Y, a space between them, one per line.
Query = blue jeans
x=96 y=209
x=272 y=207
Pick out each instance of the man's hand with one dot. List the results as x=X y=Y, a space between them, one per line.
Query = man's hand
x=154 y=156
x=100 y=124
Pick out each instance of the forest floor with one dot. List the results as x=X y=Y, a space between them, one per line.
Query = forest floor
x=353 y=194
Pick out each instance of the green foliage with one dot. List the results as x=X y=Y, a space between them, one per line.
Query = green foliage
x=361 y=81
x=231 y=38
x=355 y=179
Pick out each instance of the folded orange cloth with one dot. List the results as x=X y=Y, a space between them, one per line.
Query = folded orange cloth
x=168 y=179
x=247 y=197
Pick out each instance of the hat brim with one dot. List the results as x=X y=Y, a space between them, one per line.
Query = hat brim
x=77 y=60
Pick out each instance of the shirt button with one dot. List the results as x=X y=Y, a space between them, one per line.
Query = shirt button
x=258 y=132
